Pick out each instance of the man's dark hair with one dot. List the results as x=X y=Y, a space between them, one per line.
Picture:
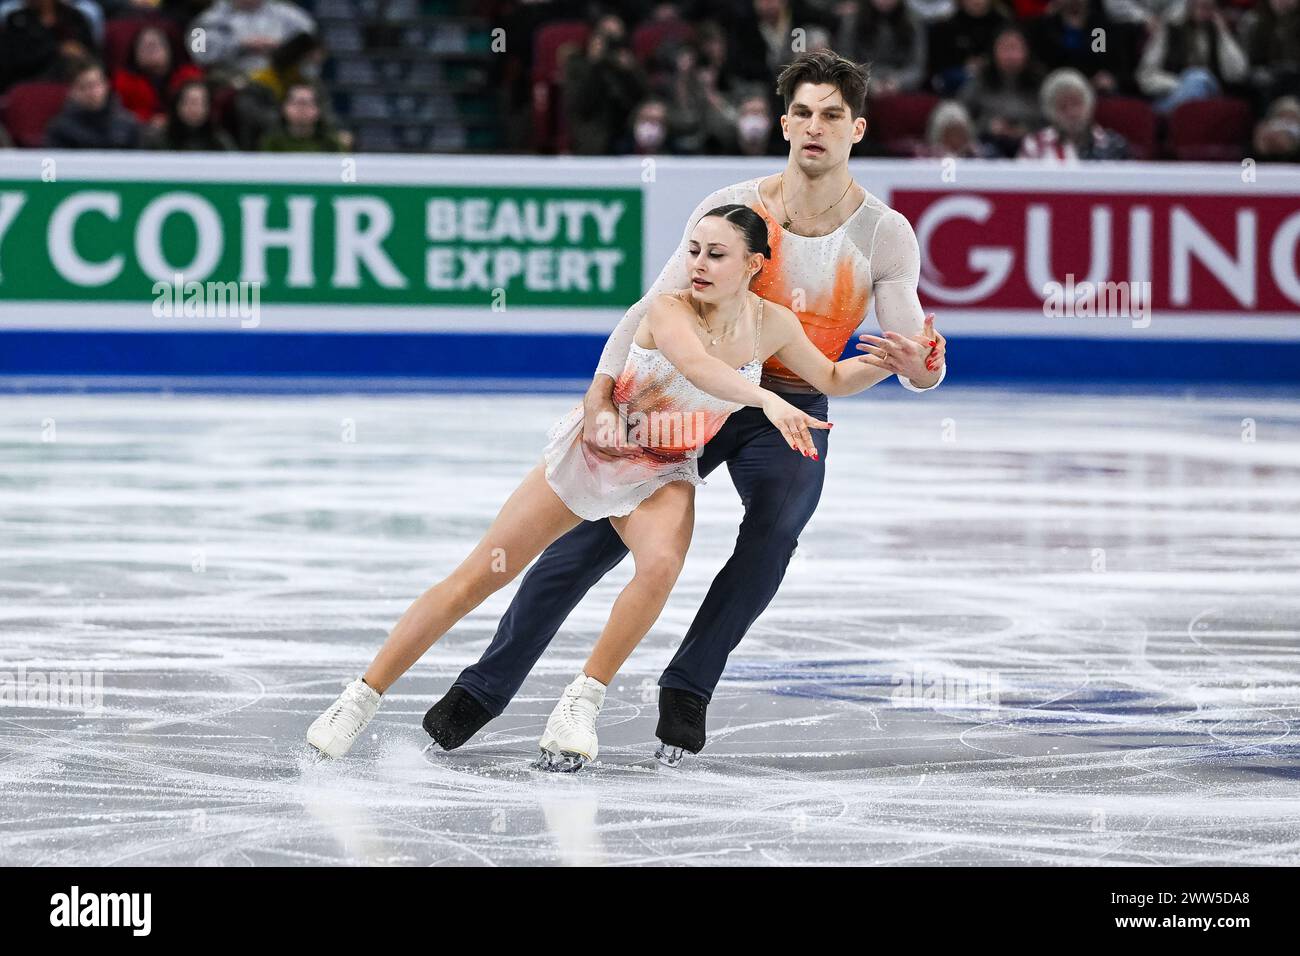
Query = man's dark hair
x=826 y=66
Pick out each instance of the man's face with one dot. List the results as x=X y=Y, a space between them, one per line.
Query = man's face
x=820 y=127
x=89 y=90
x=1071 y=111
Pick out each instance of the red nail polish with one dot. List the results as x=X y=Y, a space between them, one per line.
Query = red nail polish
x=814 y=457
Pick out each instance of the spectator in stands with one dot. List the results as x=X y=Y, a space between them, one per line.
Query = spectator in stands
x=950 y=134
x=42 y=39
x=886 y=34
x=305 y=129
x=1003 y=97
x=257 y=105
x=1079 y=34
x=762 y=38
x=602 y=86
x=1277 y=137
x=699 y=118
x=239 y=35
x=959 y=46
x=1067 y=101
x=151 y=74
x=1270 y=34
x=757 y=132
x=91 y=117
x=6 y=141
x=1191 y=57
x=190 y=123
x=648 y=135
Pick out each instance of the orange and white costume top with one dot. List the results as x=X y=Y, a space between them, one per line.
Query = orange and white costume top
x=666 y=413
x=827 y=281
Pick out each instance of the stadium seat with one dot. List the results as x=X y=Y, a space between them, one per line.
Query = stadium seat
x=121 y=33
x=1132 y=118
x=1210 y=130
x=898 y=122
x=28 y=108
x=649 y=37
x=553 y=44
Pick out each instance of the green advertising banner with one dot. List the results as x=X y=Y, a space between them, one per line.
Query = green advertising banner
x=541 y=246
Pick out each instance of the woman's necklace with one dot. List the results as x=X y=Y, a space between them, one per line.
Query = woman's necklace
x=721 y=335
x=786 y=209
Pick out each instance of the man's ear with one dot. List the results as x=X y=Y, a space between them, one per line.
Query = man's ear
x=859 y=129
x=785 y=127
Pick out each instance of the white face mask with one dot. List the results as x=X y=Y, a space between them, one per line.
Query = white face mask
x=753 y=126
x=649 y=134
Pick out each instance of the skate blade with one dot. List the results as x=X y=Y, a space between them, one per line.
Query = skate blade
x=566 y=761
x=316 y=755
x=669 y=756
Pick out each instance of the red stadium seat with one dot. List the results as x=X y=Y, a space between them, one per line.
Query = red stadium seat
x=28 y=108
x=551 y=47
x=1132 y=118
x=121 y=33
x=898 y=122
x=1210 y=130
x=649 y=37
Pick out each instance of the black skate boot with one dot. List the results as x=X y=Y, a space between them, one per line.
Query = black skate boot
x=681 y=725
x=455 y=718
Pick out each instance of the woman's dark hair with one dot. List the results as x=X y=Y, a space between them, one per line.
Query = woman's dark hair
x=750 y=224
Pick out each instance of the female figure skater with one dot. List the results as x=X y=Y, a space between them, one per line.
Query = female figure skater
x=696 y=358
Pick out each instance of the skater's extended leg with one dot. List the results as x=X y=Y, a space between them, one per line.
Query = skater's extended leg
x=532 y=517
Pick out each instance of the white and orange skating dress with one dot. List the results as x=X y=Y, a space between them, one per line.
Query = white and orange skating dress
x=669 y=416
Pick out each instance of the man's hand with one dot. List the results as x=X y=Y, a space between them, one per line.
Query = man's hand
x=603 y=431
x=919 y=359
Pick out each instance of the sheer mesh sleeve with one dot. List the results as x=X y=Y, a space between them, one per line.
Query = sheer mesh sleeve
x=895 y=269
x=672 y=278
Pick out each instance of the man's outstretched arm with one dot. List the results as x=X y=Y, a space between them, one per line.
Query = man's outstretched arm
x=896 y=267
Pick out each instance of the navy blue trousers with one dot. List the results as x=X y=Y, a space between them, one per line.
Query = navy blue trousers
x=779 y=488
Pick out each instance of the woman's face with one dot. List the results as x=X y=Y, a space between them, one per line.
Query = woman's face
x=152 y=53
x=718 y=265
x=300 y=108
x=192 y=108
x=1010 y=53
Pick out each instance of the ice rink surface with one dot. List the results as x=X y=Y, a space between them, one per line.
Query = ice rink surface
x=1094 y=600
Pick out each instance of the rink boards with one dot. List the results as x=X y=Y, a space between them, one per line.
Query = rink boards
x=478 y=269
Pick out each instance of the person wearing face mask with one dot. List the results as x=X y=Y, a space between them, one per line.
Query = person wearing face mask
x=649 y=129
x=757 y=134
x=602 y=87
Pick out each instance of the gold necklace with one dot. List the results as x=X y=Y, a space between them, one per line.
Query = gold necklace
x=786 y=209
x=719 y=337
